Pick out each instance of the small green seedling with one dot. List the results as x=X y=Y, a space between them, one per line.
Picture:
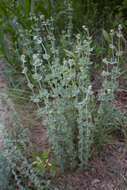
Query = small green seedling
x=43 y=163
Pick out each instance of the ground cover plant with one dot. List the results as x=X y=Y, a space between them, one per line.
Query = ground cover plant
x=56 y=73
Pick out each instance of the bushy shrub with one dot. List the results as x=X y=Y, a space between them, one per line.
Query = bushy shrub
x=76 y=122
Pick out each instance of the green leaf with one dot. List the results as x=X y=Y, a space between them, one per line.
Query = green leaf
x=106 y=35
x=70 y=54
x=34 y=163
x=36 y=155
x=27 y=7
x=45 y=153
x=38 y=159
x=110 y=51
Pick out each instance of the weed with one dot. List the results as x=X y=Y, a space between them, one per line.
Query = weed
x=43 y=163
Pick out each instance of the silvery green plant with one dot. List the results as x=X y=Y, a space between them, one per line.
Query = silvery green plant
x=69 y=111
x=14 y=156
x=66 y=92
x=112 y=72
x=62 y=90
x=106 y=121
